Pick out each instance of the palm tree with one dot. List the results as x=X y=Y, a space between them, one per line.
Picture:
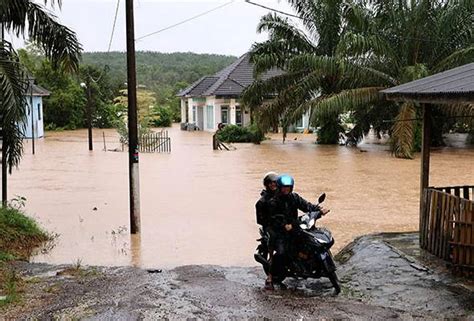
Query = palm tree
x=322 y=22
x=380 y=43
x=60 y=45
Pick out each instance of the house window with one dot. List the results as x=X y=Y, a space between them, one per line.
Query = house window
x=39 y=111
x=194 y=114
x=210 y=117
x=225 y=114
x=238 y=116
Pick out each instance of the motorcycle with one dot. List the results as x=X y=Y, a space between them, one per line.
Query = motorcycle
x=309 y=257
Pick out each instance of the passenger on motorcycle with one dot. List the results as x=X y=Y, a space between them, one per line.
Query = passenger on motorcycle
x=262 y=206
x=283 y=209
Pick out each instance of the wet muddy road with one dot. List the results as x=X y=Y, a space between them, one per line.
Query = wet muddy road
x=197 y=205
x=384 y=286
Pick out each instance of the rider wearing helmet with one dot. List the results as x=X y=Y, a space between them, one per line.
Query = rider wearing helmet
x=283 y=209
x=261 y=207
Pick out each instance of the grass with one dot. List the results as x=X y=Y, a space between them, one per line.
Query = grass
x=10 y=284
x=19 y=236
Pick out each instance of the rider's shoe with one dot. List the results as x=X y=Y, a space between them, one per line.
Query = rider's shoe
x=269 y=286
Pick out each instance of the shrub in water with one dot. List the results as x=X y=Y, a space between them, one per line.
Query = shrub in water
x=239 y=134
x=161 y=117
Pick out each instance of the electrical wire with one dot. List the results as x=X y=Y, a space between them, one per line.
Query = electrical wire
x=113 y=26
x=184 y=21
x=312 y=20
x=278 y=11
x=106 y=67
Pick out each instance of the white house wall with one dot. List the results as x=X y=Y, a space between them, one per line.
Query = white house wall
x=216 y=104
x=37 y=118
x=184 y=111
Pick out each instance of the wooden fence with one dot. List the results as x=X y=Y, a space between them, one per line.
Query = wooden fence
x=447 y=225
x=153 y=142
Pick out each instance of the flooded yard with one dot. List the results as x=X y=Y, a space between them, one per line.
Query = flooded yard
x=197 y=205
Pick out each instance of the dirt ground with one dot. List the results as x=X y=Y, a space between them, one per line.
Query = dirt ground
x=381 y=277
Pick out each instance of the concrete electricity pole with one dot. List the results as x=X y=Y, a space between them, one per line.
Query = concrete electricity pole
x=4 y=151
x=132 y=122
x=88 y=90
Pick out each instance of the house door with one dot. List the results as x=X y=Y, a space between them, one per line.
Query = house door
x=200 y=118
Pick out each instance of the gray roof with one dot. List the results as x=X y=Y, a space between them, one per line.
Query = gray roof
x=38 y=91
x=456 y=84
x=230 y=81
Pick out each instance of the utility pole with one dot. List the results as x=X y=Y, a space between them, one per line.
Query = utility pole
x=32 y=118
x=134 y=182
x=89 y=112
x=87 y=88
x=4 y=151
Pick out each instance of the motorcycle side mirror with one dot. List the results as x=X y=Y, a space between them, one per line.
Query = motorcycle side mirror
x=322 y=198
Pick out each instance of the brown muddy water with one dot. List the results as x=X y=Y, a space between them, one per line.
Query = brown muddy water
x=197 y=205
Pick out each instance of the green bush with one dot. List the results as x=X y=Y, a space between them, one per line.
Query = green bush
x=238 y=134
x=328 y=131
x=161 y=117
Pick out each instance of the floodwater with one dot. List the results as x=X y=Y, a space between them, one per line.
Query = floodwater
x=197 y=205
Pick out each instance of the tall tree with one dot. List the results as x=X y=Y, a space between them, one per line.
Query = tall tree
x=372 y=45
x=27 y=19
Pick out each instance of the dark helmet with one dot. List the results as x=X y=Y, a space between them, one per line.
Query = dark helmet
x=285 y=180
x=269 y=177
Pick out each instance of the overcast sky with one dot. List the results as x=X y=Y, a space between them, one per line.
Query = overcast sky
x=229 y=30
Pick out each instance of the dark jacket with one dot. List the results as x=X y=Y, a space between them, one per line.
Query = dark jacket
x=262 y=208
x=283 y=210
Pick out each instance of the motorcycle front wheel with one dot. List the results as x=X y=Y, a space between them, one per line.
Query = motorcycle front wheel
x=335 y=282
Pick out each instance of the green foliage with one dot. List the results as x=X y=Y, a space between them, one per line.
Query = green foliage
x=328 y=130
x=9 y=286
x=156 y=70
x=6 y=256
x=343 y=53
x=161 y=116
x=162 y=74
x=239 y=134
x=65 y=107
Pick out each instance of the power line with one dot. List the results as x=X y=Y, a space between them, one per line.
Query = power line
x=278 y=11
x=109 y=46
x=312 y=20
x=113 y=26
x=184 y=21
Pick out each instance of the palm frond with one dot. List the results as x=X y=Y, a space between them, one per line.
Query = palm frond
x=457 y=58
x=59 y=43
x=281 y=28
x=347 y=100
x=13 y=86
x=363 y=45
x=261 y=90
x=403 y=132
x=269 y=54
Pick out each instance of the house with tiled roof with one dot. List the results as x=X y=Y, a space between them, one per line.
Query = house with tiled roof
x=215 y=99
